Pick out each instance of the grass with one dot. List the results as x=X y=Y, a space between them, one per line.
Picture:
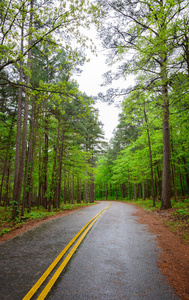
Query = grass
x=7 y=224
x=182 y=206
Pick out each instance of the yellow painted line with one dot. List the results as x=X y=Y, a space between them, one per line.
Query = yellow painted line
x=36 y=286
x=66 y=260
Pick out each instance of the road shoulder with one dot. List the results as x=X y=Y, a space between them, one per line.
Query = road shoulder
x=174 y=256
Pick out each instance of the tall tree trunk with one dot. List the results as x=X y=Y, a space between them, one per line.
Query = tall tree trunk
x=45 y=165
x=150 y=152
x=40 y=179
x=174 y=181
x=91 y=188
x=64 y=186
x=186 y=46
x=18 y=191
x=94 y=192
x=186 y=173
x=129 y=187
x=54 y=173
x=86 y=192
x=106 y=192
x=166 y=182
x=143 y=190
x=186 y=49
x=7 y=159
x=6 y=198
x=78 y=191
x=29 y=165
x=18 y=127
x=59 y=179
x=135 y=191
x=123 y=190
x=69 y=195
x=139 y=190
x=147 y=191
x=73 y=186
x=157 y=185
x=116 y=193
x=30 y=179
x=129 y=190
x=180 y=177
x=173 y=168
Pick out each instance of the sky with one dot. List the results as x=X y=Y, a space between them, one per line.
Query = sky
x=89 y=82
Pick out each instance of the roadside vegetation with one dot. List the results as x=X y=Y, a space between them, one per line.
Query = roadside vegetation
x=52 y=146
x=176 y=219
x=7 y=223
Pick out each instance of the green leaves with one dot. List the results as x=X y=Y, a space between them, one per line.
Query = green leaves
x=55 y=23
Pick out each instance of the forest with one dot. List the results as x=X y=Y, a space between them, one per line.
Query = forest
x=52 y=146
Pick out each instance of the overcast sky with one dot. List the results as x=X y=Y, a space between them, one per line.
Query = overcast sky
x=89 y=82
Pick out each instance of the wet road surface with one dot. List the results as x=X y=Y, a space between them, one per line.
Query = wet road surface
x=116 y=260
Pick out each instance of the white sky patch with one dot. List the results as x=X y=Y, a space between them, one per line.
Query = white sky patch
x=90 y=81
x=108 y=115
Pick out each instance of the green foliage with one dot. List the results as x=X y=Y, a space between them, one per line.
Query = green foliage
x=38 y=215
x=64 y=137
x=146 y=204
x=146 y=39
x=56 y=23
x=182 y=212
x=74 y=206
x=7 y=224
x=181 y=204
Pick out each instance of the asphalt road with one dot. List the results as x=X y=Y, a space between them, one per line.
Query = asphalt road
x=116 y=260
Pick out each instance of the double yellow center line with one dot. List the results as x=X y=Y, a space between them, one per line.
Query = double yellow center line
x=51 y=282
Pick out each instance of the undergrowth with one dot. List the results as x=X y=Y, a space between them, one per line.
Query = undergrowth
x=175 y=218
x=7 y=223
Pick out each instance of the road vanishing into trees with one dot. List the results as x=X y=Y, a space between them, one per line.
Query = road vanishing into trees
x=117 y=259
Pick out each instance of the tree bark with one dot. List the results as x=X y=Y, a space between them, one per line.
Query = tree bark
x=19 y=178
x=91 y=188
x=40 y=178
x=59 y=180
x=69 y=198
x=174 y=181
x=150 y=152
x=54 y=173
x=78 y=191
x=116 y=193
x=29 y=166
x=147 y=192
x=73 y=186
x=18 y=127
x=129 y=187
x=135 y=191
x=86 y=192
x=6 y=198
x=186 y=173
x=180 y=177
x=166 y=182
x=143 y=190
x=7 y=159
x=64 y=186
x=123 y=190
x=45 y=165
x=106 y=192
